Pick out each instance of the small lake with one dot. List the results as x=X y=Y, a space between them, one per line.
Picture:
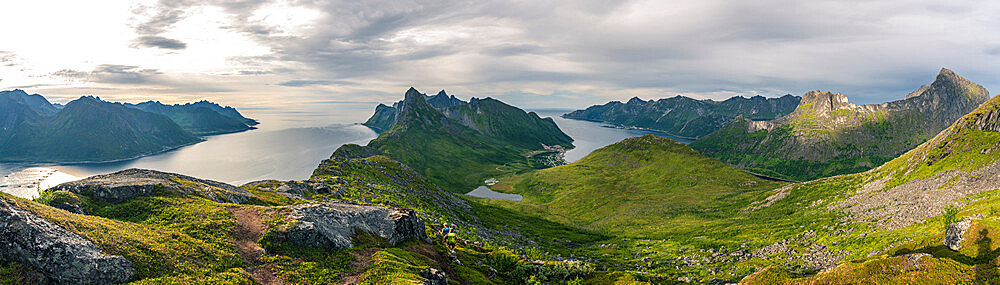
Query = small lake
x=486 y=192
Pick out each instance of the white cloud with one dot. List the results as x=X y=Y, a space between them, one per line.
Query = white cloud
x=535 y=53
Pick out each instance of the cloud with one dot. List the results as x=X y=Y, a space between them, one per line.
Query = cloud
x=160 y=42
x=111 y=73
x=9 y=59
x=301 y=83
x=540 y=52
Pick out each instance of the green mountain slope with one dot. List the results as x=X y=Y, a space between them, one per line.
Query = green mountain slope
x=458 y=147
x=197 y=118
x=88 y=129
x=904 y=200
x=641 y=186
x=826 y=135
x=686 y=117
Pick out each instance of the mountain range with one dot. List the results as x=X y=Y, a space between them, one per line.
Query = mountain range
x=200 y=118
x=89 y=129
x=645 y=210
x=684 y=116
x=826 y=135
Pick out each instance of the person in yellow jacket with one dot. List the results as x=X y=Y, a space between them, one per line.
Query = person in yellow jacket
x=452 y=239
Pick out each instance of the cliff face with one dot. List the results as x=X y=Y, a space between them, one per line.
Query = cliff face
x=827 y=135
x=687 y=117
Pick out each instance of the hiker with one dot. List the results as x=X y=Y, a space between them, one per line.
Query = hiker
x=445 y=229
x=451 y=238
x=448 y=236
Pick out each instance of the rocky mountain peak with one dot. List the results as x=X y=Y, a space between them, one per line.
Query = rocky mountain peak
x=635 y=100
x=823 y=100
x=412 y=93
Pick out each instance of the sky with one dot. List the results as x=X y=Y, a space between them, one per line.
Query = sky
x=533 y=54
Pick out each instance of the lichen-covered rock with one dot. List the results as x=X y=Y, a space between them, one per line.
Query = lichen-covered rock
x=131 y=183
x=434 y=277
x=62 y=256
x=290 y=189
x=331 y=225
x=955 y=233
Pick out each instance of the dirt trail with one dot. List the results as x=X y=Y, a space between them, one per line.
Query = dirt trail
x=444 y=262
x=249 y=228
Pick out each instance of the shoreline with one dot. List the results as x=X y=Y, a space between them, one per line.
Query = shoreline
x=624 y=127
x=201 y=139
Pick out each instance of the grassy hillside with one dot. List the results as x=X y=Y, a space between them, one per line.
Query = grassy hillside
x=642 y=186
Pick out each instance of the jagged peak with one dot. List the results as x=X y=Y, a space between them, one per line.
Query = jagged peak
x=412 y=94
x=822 y=101
x=948 y=77
x=635 y=100
x=947 y=84
x=442 y=93
x=16 y=91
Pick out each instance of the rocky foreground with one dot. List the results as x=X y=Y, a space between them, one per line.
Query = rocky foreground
x=66 y=257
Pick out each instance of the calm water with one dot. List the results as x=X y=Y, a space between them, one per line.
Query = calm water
x=589 y=136
x=292 y=140
x=486 y=192
x=289 y=144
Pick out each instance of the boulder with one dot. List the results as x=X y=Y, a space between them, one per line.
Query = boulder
x=955 y=233
x=60 y=255
x=434 y=276
x=131 y=183
x=290 y=189
x=331 y=225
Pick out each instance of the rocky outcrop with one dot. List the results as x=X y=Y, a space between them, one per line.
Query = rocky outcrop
x=434 y=276
x=331 y=225
x=62 y=256
x=955 y=233
x=290 y=189
x=131 y=183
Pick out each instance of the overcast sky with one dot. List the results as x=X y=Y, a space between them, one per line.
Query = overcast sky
x=532 y=53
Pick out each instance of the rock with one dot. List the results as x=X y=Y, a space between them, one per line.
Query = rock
x=290 y=189
x=131 y=183
x=72 y=208
x=331 y=225
x=955 y=233
x=60 y=255
x=434 y=277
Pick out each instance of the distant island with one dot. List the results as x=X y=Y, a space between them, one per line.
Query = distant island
x=89 y=129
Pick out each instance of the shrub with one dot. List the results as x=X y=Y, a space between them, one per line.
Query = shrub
x=949 y=215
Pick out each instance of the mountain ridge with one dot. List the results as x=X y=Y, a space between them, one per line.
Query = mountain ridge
x=684 y=116
x=827 y=135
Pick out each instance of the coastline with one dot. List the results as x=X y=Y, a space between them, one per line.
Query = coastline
x=624 y=127
x=201 y=139
x=35 y=163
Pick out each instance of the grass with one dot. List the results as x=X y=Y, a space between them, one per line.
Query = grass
x=640 y=187
x=155 y=249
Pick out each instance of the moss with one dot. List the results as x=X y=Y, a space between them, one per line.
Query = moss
x=15 y=273
x=265 y=196
x=395 y=266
